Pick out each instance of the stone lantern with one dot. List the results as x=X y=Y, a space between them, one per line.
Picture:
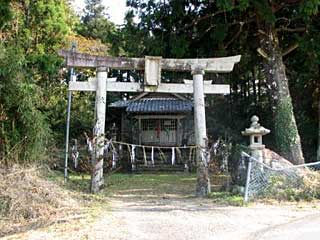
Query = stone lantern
x=255 y=132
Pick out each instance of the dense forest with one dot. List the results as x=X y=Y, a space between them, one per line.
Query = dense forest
x=278 y=77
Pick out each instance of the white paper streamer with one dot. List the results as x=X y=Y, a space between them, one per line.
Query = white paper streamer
x=152 y=156
x=173 y=157
x=106 y=148
x=114 y=160
x=204 y=156
x=89 y=143
x=145 y=156
x=133 y=155
x=75 y=156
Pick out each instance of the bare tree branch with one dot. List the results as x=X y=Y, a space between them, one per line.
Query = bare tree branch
x=262 y=32
x=235 y=36
x=285 y=29
x=196 y=21
x=263 y=53
x=290 y=49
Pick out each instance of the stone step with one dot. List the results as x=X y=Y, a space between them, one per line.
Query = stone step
x=141 y=162
x=160 y=168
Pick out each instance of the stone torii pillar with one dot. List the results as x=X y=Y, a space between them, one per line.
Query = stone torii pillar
x=203 y=180
x=99 y=130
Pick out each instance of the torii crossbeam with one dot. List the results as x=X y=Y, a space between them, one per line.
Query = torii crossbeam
x=152 y=67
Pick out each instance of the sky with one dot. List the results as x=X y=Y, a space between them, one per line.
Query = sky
x=115 y=8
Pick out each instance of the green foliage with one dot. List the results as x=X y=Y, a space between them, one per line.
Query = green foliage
x=244 y=4
x=29 y=67
x=305 y=85
x=310 y=7
x=264 y=9
x=5 y=12
x=225 y=4
x=23 y=124
x=95 y=24
x=220 y=32
x=227 y=198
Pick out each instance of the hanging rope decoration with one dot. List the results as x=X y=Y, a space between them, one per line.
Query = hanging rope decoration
x=176 y=153
x=116 y=147
x=150 y=146
x=162 y=156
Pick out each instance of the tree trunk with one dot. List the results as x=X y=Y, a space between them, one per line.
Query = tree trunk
x=286 y=131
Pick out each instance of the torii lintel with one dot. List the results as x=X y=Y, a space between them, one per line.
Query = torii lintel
x=218 y=65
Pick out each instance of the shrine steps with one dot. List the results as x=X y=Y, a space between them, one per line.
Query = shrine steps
x=160 y=168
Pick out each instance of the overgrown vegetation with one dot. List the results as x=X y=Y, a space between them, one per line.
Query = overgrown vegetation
x=28 y=200
x=306 y=187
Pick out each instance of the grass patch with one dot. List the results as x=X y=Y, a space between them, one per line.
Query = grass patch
x=76 y=182
x=227 y=198
x=161 y=183
x=135 y=185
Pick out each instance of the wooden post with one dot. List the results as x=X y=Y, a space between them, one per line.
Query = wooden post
x=139 y=132
x=97 y=161
x=203 y=181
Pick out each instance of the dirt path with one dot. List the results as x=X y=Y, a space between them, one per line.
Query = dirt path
x=185 y=218
x=162 y=210
x=306 y=227
x=144 y=214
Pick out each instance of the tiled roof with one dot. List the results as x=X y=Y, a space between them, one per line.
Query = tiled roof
x=120 y=104
x=155 y=105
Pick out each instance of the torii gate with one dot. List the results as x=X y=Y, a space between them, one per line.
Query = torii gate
x=152 y=67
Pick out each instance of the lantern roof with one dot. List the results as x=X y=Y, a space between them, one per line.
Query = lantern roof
x=255 y=128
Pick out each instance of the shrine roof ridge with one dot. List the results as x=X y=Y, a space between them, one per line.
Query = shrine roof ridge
x=154 y=105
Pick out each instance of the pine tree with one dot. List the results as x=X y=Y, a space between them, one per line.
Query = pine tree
x=95 y=24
